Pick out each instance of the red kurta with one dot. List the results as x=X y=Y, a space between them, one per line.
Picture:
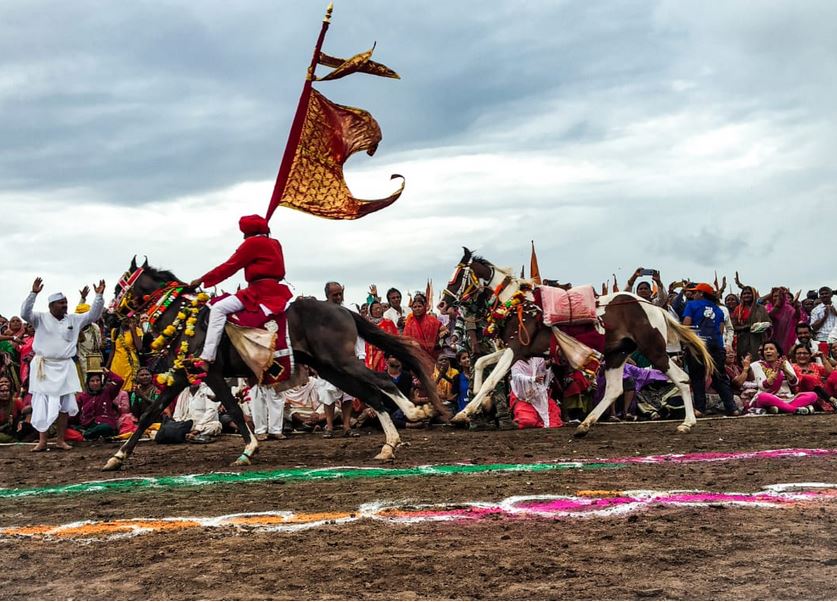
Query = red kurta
x=425 y=330
x=264 y=266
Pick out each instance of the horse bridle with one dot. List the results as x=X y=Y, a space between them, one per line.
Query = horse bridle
x=123 y=298
x=470 y=282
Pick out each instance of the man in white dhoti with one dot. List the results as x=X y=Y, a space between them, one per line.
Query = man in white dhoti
x=53 y=378
x=198 y=405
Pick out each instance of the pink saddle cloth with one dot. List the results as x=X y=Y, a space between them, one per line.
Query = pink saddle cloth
x=575 y=306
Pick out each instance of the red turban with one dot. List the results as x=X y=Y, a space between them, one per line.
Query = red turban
x=253 y=224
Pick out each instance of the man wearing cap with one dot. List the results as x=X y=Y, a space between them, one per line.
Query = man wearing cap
x=703 y=314
x=264 y=266
x=53 y=380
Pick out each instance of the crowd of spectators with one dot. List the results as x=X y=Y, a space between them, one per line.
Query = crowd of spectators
x=775 y=353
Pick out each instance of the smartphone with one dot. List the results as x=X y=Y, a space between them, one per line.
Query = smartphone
x=647 y=272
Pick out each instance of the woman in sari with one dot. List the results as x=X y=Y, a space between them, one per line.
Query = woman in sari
x=124 y=361
x=750 y=322
x=784 y=316
x=423 y=327
x=375 y=358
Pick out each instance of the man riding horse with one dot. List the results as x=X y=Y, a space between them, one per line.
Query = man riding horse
x=260 y=256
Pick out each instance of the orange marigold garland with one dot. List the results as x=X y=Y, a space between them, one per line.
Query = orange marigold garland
x=185 y=322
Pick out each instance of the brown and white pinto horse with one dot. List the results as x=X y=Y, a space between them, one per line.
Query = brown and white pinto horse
x=630 y=323
x=323 y=336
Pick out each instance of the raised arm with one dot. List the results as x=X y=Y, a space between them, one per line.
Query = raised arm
x=96 y=307
x=27 y=309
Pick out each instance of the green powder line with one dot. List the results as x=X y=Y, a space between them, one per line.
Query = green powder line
x=294 y=474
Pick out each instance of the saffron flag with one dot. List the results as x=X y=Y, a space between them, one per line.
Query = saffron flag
x=323 y=136
x=534 y=272
x=331 y=133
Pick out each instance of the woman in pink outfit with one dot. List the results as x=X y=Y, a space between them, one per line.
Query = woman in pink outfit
x=774 y=377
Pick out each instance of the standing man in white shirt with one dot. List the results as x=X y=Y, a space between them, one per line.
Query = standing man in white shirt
x=53 y=380
x=396 y=314
x=824 y=318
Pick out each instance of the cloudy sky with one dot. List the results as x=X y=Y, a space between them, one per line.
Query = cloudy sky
x=684 y=136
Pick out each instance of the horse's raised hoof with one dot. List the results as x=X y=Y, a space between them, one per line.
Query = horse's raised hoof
x=460 y=418
x=581 y=430
x=684 y=428
x=112 y=464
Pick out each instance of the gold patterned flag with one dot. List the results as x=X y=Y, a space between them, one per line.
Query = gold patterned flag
x=331 y=133
x=359 y=63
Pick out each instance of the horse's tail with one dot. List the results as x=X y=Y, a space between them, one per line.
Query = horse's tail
x=688 y=337
x=408 y=352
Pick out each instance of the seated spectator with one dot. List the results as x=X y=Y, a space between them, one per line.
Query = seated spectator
x=530 y=403
x=144 y=393
x=445 y=377
x=818 y=378
x=99 y=412
x=198 y=405
x=804 y=336
x=774 y=376
x=302 y=404
x=11 y=409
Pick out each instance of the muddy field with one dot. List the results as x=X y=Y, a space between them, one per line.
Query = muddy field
x=650 y=551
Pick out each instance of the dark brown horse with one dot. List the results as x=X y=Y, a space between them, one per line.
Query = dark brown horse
x=631 y=323
x=322 y=336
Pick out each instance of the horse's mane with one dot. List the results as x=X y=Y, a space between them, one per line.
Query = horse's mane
x=161 y=275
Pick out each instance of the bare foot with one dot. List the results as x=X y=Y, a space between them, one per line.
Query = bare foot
x=63 y=445
x=39 y=447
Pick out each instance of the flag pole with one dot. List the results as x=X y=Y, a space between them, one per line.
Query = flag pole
x=299 y=119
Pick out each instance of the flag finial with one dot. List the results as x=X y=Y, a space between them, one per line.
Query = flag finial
x=327 y=18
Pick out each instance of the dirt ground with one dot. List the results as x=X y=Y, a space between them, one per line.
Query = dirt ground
x=697 y=553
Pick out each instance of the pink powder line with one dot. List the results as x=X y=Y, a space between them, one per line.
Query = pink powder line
x=724 y=456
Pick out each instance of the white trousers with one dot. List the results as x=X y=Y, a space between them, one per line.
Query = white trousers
x=45 y=409
x=268 y=410
x=215 y=328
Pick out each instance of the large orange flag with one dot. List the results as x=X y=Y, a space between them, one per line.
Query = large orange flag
x=534 y=272
x=323 y=136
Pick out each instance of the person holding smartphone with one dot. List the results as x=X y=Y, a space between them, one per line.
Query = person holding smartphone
x=644 y=289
